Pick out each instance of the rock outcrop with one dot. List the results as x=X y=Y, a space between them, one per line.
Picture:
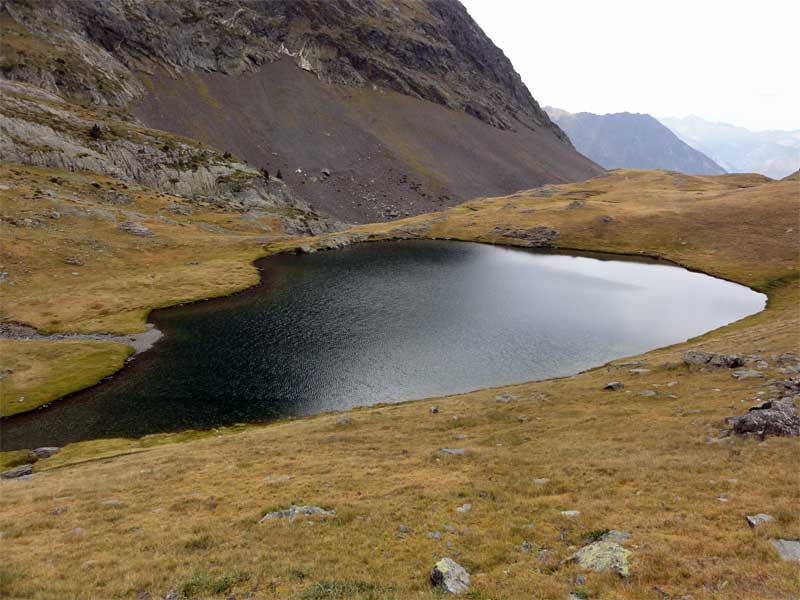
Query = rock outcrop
x=774 y=417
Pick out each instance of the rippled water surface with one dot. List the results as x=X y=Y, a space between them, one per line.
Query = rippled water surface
x=386 y=322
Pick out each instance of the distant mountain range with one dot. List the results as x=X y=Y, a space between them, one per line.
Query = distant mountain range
x=629 y=140
x=775 y=154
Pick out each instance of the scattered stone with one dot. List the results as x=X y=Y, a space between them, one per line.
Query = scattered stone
x=712 y=359
x=278 y=478
x=773 y=417
x=73 y=261
x=135 y=229
x=748 y=374
x=464 y=508
x=77 y=532
x=344 y=420
x=606 y=219
x=60 y=510
x=541 y=480
x=326 y=172
x=46 y=451
x=604 y=556
x=404 y=529
x=452 y=451
x=571 y=513
x=295 y=511
x=762 y=364
x=614 y=386
x=526 y=546
x=577 y=204
x=648 y=393
x=614 y=535
x=639 y=371
x=536 y=237
x=449 y=576
x=504 y=397
x=434 y=410
x=434 y=535
x=111 y=503
x=19 y=471
x=458 y=436
x=788 y=549
x=758 y=519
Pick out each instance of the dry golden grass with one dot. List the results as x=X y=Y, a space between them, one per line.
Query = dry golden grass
x=65 y=366
x=187 y=513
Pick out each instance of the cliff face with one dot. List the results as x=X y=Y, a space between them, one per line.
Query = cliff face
x=137 y=57
x=430 y=49
x=632 y=141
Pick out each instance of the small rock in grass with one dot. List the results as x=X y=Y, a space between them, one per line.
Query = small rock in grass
x=295 y=511
x=46 y=451
x=526 y=546
x=344 y=420
x=648 y=393
x=19 y=471
x=466 y=507
x=541 y=480
x=639 y=371
x=505 y=397
x=613 y=535
x=404 y=529
x=449 y=576
x=434 y=535
x=434 y=410
x=570 y=513
x=748 y=374
x=111 y=503
x=452 y=451
x=788 y=549
x=758 y=519
x=135 y=229
x=614 y=386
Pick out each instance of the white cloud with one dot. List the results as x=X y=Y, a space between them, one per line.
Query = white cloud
x=734 y=61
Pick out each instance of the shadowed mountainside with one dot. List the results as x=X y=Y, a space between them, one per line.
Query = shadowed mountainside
x=631 y=141
x=404 y=103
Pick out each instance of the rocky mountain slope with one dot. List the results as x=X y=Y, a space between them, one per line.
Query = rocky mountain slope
x=775 y=154
x=634 y=141
x=316 y=89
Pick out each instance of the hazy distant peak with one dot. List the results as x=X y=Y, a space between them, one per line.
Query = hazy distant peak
x=631 y=140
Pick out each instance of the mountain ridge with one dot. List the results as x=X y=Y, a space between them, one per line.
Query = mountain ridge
x=631 y=140
x=774 y=153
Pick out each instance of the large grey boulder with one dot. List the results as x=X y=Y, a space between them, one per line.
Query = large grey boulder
x=712 y=359
x=604 y=555
x=773 y=417
x=450 y=576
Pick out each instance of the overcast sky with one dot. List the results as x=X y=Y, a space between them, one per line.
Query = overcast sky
x=734 y=61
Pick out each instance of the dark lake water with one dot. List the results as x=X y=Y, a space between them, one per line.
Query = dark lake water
x=384 y=322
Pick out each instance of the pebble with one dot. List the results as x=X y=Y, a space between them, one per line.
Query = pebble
x=758 y=519
x=464 y=508
x=571 y=513
x=452 y=451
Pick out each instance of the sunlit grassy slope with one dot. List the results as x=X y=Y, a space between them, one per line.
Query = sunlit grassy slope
x=185 y=507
